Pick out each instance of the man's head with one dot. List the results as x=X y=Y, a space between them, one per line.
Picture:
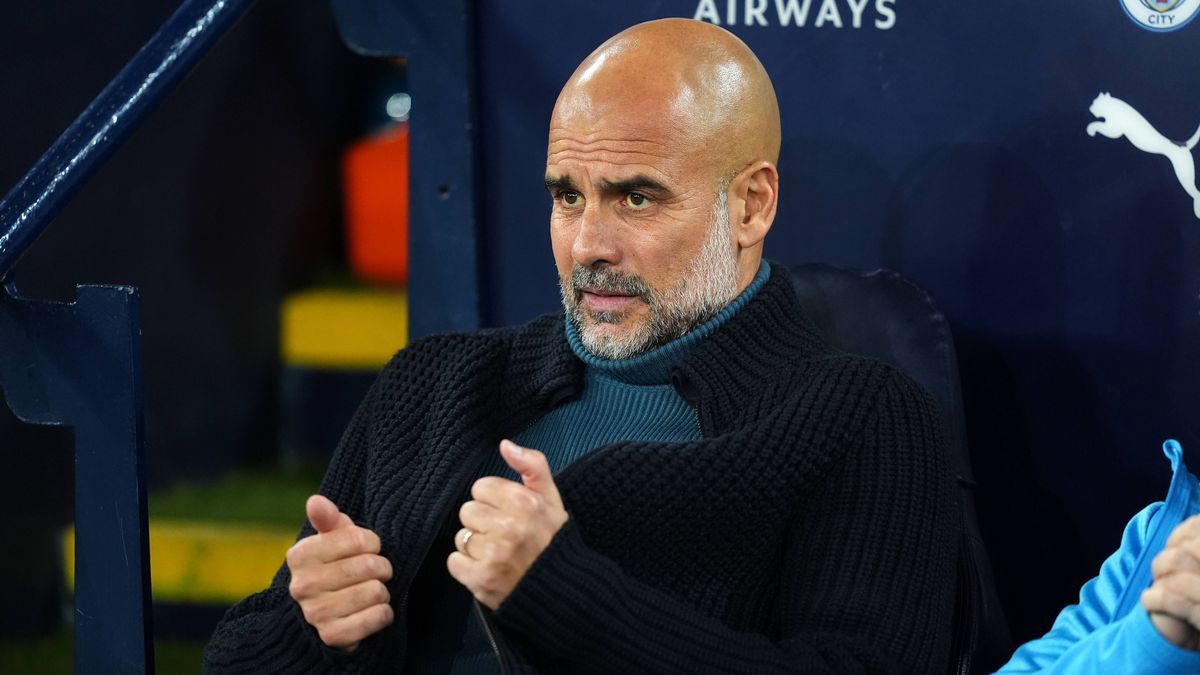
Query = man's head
x=661 y=164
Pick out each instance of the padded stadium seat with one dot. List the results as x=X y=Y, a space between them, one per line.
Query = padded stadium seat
x=884 y=316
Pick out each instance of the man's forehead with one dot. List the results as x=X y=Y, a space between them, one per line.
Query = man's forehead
x=621 y=139
x=614 y=130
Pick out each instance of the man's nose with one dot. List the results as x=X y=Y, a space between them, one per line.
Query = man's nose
x=596 y=240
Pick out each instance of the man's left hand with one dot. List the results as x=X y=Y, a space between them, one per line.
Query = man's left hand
x=1173 y=599
x=506 y=526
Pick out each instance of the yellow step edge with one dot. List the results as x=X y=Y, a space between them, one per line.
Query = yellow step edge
x=355 y=329
x=205 y=562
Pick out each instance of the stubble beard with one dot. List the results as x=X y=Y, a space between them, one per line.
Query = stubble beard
x=708 y=285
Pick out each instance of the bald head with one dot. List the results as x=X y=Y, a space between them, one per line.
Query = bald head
x=661 y=167
x=692 y=81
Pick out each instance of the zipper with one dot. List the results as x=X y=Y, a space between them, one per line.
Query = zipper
x=487 y=630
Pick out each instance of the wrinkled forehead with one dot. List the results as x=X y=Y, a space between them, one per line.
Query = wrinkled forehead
x=612 y=150
x=622 y=126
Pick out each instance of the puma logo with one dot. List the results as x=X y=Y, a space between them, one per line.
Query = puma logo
x=1116 y=118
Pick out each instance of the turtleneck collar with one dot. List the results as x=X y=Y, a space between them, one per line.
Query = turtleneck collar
x=654 y=367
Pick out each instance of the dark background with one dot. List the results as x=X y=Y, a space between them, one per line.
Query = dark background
x=223 y=201
x=950 y=147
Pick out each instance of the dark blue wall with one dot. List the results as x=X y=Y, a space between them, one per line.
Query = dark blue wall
x=951 y=147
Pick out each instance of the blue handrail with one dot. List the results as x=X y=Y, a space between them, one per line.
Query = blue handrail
x=101 y=128
x=79 y=364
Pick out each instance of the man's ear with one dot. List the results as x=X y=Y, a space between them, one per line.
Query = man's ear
x=756 y=189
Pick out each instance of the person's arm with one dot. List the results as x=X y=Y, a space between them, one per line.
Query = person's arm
x=1085 y=637
x=267 y=632
x=867 y=577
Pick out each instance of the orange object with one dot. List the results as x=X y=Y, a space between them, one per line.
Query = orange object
x=375 y=185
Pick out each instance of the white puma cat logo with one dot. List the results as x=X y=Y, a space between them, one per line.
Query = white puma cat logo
x=1117 y=118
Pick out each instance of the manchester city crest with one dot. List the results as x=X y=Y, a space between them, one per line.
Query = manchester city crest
x=1161 y=16
x=1162 y=6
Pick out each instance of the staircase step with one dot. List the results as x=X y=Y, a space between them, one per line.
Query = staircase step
x=343 y=329
x=207 y=562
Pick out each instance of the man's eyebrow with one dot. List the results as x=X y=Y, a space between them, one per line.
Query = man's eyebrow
x=638 y=183
x=556 y=183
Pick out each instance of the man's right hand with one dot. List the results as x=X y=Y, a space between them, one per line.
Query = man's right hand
x=338 y=577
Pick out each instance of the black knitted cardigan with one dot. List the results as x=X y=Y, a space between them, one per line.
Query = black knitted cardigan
x=812 y=529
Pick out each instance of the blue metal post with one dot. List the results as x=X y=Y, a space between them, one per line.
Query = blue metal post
x=436 y=39
x=80 y=365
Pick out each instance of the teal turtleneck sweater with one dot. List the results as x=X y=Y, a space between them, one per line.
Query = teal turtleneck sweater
x=622 y=400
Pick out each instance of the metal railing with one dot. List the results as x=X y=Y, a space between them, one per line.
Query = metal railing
x=78 y=364
x=101 y=128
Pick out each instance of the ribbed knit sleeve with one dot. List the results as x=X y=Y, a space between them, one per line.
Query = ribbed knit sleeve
x=866 y=575
x=267 y=632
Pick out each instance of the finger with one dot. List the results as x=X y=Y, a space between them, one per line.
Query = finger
x=347 y=632
x=1161 y=600
x=340 y=574
x=478 y=516
x=1185 y=587
x=339 y=604
x=475 y=577
x=1177 y=631
x=494 y=491
x=1181 y=558
x=533 y=468
x=324 y=514
x=1188 y=529
x=335 y=545
x=464 y=570
x=463 y=539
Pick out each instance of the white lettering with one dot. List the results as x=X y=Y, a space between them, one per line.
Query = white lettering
x=755 y=10
x=829 y=12
x=857 y=9
x=889 y=15
x=796 y=12
x=792 y=11
x=707 y=11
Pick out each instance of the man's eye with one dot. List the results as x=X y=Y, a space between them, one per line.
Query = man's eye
x=637 y=201
x=570 y=199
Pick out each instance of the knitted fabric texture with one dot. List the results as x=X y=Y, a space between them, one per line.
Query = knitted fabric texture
x=622 y=400
x=812 y=528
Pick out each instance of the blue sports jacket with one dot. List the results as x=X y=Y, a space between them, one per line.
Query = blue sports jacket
x=1108 y=631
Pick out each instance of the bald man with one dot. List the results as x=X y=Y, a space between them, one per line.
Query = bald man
x=695 y=482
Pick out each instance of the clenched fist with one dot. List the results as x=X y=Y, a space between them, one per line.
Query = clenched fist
x=1173 y=600
x=506 y=526
x=338 y=577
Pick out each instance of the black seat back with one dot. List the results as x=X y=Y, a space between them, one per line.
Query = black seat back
x=884 y=316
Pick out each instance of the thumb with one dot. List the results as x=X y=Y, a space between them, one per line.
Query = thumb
x=324 y=514
x=533 y=468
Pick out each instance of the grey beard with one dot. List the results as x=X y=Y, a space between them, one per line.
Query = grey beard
x=709 y=284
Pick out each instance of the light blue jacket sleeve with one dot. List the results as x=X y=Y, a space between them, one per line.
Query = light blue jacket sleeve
x=1091 y=638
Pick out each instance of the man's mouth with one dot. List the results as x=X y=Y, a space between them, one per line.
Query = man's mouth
x=604 y=300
